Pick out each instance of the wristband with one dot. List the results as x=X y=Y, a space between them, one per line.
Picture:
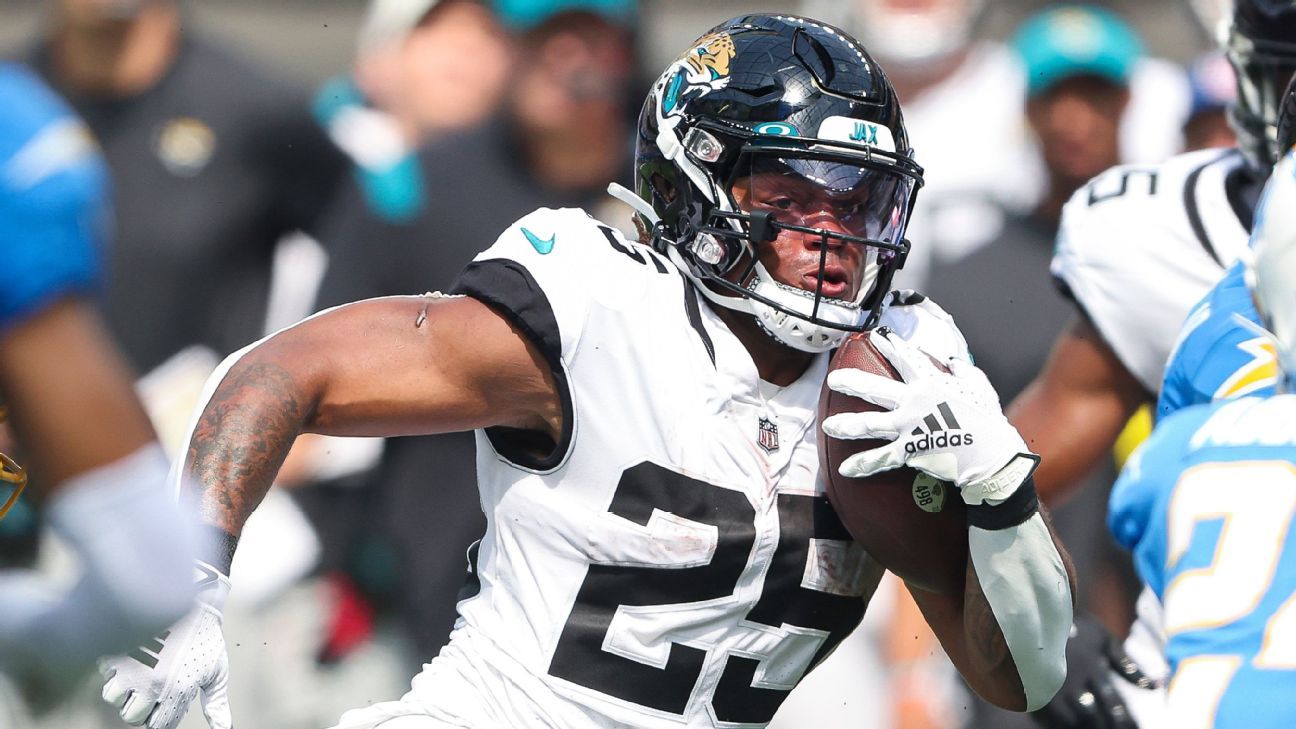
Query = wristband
x=1021 y=505
x=218 y=548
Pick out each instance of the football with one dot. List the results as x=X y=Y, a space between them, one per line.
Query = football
x=912 y=524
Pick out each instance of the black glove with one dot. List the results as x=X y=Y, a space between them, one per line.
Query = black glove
x=1088 y=698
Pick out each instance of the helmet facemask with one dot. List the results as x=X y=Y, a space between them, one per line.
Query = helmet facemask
x=1263 y=69
x=844 y=206
x=796 y=102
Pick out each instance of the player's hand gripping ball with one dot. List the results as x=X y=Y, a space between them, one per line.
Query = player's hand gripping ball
x=911 y=523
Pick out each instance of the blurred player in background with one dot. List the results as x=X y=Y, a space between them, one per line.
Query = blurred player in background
x=96 y=469
x=1186 y=220
x=1206 y=506
x=659 y=550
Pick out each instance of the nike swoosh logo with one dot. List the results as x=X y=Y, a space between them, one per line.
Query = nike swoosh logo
x=543 y=246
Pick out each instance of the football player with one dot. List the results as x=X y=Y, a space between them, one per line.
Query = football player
x=659 y=549
x=1206 y=507
x=1138 y=247
x=97 y=469
x=1223 y=350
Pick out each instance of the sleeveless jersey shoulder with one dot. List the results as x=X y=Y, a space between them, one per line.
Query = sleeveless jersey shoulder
x=1139 y=245
x=546 y=270
x=53 y=199
x=548 y=274
x=1218 y=356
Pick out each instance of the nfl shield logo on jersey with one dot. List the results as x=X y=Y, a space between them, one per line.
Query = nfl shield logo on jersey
x=767 y=438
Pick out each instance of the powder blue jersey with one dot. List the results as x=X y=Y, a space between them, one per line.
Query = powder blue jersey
x=1206 y=506
x=1218 y=356
x=53 y=209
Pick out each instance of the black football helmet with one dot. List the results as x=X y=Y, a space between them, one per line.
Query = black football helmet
x=799 y=98
x=1262 y=49
x=1287 y=119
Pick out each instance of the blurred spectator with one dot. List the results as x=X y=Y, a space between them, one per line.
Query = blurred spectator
x=1214 y=87
x=424 y=68
x=213 y=163
x=1080 y=60
x=560 y=138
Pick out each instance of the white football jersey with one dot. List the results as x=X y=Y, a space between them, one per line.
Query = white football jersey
x=1140 y=245
x=674 y=562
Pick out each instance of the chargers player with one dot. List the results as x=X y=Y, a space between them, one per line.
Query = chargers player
x=96 y=467
x=1218 y=355
x=1138 y=247
x=659 y=549
x=1206 y=506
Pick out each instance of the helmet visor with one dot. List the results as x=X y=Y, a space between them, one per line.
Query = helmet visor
x=842 y=197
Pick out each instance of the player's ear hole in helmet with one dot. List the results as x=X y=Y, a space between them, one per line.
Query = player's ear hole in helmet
x=764 y=97
x=1261 y=46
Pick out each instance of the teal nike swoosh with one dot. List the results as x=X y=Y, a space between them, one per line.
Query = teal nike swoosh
x=542 y=246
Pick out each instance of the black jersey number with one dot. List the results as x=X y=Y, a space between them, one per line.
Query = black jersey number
x=1109 y=191
x=579 y=656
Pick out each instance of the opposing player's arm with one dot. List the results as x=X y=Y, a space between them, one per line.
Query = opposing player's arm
x=70 y=394
x=1074 y=409
x=382 y=367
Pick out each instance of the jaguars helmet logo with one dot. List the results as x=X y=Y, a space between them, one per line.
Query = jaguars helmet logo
x=710 y=59
x=698 y=72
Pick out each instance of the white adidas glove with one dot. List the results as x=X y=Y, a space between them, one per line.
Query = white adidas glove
x=947 y=425
x=154 y=684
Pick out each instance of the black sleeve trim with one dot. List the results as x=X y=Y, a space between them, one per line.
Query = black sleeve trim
x=1194 y=215
x=1017 y=508
x=508 y=288
x=694 y=313
x=1243 y=190
x=218 y=548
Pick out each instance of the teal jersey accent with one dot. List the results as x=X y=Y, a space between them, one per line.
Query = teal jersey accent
x=1206 y=506
x=543 y=246
x=1219 y=357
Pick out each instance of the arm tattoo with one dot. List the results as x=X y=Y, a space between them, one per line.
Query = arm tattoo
x=241 y=440
x=985 y=639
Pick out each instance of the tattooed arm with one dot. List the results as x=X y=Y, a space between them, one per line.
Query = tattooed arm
x=383 y=367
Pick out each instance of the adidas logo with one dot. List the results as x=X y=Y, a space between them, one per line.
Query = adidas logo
x=938 y=434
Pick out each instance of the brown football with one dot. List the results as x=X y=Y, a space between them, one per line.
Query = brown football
x=912 y=524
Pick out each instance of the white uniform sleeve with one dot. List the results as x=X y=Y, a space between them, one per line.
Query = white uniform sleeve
x=1135 y=255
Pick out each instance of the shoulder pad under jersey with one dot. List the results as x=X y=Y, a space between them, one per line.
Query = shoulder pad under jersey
x=921 y=321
